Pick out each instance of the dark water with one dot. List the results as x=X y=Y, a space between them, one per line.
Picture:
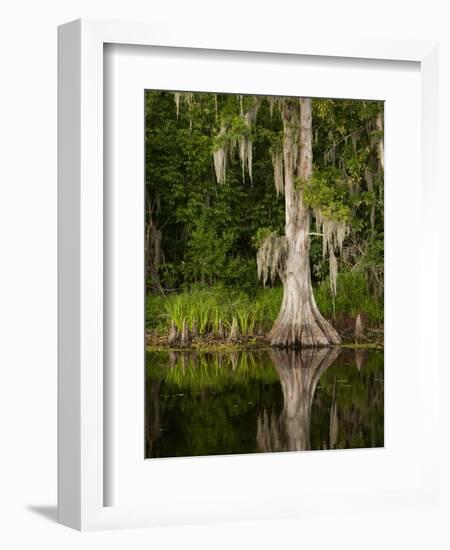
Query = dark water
x=264 y=401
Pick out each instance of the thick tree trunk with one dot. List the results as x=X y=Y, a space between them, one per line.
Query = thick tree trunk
x=299 y=322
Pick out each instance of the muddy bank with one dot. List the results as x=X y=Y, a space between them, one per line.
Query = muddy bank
x=372 y=337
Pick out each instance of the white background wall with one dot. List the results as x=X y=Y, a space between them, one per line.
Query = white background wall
x=28 y=269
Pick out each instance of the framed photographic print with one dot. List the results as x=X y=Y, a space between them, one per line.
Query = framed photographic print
x=237 y=338
x=235 y=365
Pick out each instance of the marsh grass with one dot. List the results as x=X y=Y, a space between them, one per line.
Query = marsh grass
x=218 y=311
x=213 y=310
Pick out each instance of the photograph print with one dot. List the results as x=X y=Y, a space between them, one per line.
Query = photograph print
x=264 y=262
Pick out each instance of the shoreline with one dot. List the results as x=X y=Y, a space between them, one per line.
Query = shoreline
x=157 y=343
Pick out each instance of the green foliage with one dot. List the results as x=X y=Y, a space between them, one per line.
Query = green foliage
x=206 y=252
x=344 y=152
x=353 y=296
x=261 y=234
x=327 y=192
x=211 y=232
x=208 y=229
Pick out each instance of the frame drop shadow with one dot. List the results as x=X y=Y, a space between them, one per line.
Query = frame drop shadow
x=48 y=512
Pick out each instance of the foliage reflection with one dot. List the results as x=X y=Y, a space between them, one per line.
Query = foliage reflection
x=263 y=401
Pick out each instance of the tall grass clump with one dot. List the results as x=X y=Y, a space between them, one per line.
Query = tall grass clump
x=267 y=305
x=216 y=311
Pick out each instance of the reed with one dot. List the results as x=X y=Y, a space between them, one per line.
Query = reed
x=211 y=311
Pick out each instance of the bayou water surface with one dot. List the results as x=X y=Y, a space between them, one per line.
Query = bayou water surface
x=263 y=401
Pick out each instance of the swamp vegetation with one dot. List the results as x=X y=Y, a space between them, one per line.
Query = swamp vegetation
x=264 y=259
x=264 y=218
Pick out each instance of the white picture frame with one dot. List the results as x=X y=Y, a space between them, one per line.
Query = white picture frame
x=81 y=480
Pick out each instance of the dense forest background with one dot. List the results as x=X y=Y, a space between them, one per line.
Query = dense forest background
x=202 y=236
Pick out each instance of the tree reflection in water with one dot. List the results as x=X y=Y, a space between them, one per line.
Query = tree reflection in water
x=299 y=371
x=263 y=401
